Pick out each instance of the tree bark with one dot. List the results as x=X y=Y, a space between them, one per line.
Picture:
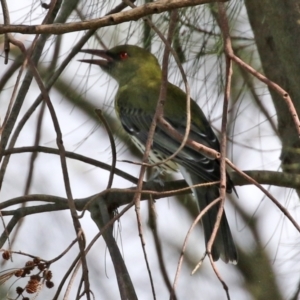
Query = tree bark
x=276 y=28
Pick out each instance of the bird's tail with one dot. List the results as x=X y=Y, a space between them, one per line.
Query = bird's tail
x=223 y=246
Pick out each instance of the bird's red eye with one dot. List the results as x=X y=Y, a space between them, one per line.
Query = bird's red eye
x=123 y=55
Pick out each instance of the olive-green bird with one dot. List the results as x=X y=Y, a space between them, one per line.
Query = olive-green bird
x=139 y=76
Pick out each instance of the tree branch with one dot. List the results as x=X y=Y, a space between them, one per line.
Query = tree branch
x=114 y=19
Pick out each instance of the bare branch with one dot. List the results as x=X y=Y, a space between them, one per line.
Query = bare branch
x=114 y=19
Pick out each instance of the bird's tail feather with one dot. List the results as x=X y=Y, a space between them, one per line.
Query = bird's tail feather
x=223 y=246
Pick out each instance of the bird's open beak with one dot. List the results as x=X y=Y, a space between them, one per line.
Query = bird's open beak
x=100 y=62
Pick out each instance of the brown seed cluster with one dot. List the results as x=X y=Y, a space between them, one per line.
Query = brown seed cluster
x=33 y=284
x=6 y=255
x=42 y=276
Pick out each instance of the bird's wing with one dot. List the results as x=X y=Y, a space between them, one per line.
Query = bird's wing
x=137 y=123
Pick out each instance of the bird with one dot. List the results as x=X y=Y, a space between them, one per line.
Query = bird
x=139 y=76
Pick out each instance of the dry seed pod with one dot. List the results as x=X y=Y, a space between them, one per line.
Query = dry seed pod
x=6 y=255
x=32 y=286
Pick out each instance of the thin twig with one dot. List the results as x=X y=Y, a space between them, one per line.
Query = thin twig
x=80 y=236
x=13 y=95
x=112 y=146
x=72 y=155
x=223 y=23
x=30 y=171
x=6 y=19
x=278 y=89
x=272 y=85
x=158 y=245
x=180 y=261
x=266 y=192
x=64 y=279
x=158 y=113
x=257 y=100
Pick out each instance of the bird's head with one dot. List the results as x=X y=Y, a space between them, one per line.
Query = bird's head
x=125 y=62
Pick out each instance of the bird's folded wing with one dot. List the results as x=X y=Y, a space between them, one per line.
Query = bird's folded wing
x=138 y=124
